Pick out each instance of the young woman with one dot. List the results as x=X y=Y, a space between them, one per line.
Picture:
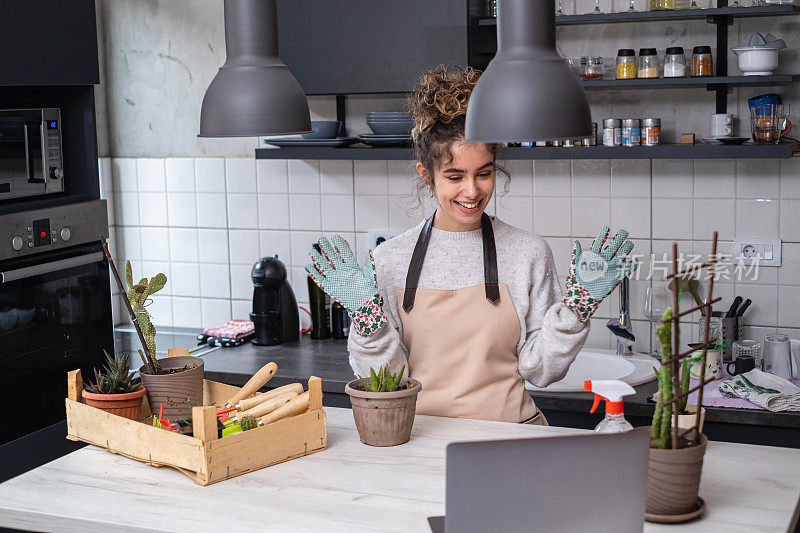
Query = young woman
x=470 y=305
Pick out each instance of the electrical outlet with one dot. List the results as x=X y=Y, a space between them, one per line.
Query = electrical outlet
x=768 y=251
x=380 y=235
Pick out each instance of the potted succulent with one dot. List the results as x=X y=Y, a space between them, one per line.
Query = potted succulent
x=114 y=389
x=673 y=476
x=383 y=408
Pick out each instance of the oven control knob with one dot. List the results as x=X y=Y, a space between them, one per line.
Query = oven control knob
x=56 y=173
x=16 y=243
x=65 y=234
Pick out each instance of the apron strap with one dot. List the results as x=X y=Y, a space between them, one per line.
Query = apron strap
x=418 y=257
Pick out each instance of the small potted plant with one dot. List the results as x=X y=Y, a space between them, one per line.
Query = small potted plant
x=383 y=408
x=114 y=389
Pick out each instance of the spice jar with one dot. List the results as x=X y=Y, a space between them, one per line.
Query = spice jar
x=702 y=63
x=658 y=5
x=648 y=63
x=674 y=62
x=631 y=132
x=592 y=67
x=592 y=139
x=612 y=132
x=651 y=131
x=626 y=64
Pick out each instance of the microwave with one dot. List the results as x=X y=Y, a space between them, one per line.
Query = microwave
x=31 y=162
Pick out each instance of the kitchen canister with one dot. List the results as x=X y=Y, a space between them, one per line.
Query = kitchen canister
x=674 y=62
x=626 y=64
x=702 y=61
x=651 y=131
x=725 y=330
x=612 y=132
x=648 y=63
x=631 y=132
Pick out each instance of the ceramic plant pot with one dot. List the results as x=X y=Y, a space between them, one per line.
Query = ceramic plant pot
x=178 y=392
x=686 y=421
x=673 y=479
x=126 y=405
x=384 y=418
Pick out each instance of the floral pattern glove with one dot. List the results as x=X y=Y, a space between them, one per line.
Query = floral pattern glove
x=595 y=273
x=337 y=273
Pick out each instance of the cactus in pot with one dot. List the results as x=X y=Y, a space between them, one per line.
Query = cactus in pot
x=114 y=389
x=138 y=295
x=383 y=381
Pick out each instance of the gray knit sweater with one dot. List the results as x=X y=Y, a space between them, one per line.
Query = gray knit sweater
x=551 y=335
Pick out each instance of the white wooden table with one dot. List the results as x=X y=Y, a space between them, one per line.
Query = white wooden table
x=350 y=486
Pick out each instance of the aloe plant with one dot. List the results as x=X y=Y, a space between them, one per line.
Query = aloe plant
x=114 y=377
x=139 y=297
x=383 y=380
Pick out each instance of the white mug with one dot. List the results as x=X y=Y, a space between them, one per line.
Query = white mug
x=713 y=365
x=721 y=125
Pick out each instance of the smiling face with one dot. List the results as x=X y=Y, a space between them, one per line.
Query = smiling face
x=463 y=186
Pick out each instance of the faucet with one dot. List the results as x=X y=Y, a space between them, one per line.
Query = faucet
x=622 y=327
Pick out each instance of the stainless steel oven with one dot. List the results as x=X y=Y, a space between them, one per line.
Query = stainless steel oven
x=55 y=308
x=31 y=162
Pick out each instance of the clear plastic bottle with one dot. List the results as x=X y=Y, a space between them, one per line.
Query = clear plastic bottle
x=612 y=391
x=613 y=424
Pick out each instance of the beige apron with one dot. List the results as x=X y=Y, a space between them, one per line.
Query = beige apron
x=463 y=349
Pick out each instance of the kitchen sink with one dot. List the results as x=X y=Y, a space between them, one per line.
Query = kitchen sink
x=604 y=364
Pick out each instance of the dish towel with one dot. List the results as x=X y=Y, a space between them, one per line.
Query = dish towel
x=763 y=389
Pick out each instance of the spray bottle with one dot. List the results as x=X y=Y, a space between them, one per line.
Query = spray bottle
x=612 y=391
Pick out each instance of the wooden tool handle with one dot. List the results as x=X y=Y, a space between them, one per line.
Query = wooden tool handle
x=261 y=397
x=256 y=382
x=268 y=406
x=294 y=407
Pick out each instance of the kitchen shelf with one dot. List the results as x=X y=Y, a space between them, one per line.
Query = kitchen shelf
x=664 y=151
x=679 y=14
x=705 y=81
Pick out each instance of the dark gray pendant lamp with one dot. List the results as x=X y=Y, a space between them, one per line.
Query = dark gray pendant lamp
x=253 y=93
x=527 y=93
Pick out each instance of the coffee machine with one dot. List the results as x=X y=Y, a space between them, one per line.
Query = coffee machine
x=275 y=314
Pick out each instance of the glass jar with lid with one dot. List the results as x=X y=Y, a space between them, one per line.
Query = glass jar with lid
x=702 y=62
x=648 y=63
x=592 y=67
x=659 y=5
x=626 y=64
x=674 y=62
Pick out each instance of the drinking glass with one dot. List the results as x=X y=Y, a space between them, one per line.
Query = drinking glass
x=656 y=301
x=748 y=347
x=781 y=355
x=630 y=7
x=560 y=10
x=769 y=122
x=597 y=7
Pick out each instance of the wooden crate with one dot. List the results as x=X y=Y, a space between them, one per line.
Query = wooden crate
x=203 y=457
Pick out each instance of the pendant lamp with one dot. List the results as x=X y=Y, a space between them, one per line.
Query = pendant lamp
x=527 y=93
x=253 y=93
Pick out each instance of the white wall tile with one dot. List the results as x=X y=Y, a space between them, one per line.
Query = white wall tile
x=215 y=281
x=789 y=271
x=244 y=247
x=272 y=176
x=186 y=312
x=401 y=214
x=211 y=210
x=242 y=309
x=672 y=218
x=241 y=282
x=789 y=306
x=757 y=178
x=276 y=242
x=302 y=241
x=337 y=213
x=126 y=208
x=150 y=175
x=180 y=174
x=372 y=212
x=589 y=215
x=790 y=178
x=552 y=216
x=673 y=178
x=210 y=174
x=757 y=218
x=243 y=211
x=183 y=244
x=371 y=177
x=303 y=176
x=185 y=279
x=714 y=178
x=111 y=202
x=155 y=244
x=591 y=177
x=213 y=245
x=129 y=245
x=403 y=177
x=124 y=172
x=521 y=183
x=599 y=337
x=106 y=175
x=182 y=209
x=161 y=311
x=714 y=214
x=552 y=177
x=361 y=245
x=215 y=312
x=240 y=175
x=516 y=211
x=641 y=254
x=298 y=279
x=632 y=214
x=336 y=177
x=764 y=309
x=153 y=209
x=790 y=220
x=273 y=211
x=304 y=212
x=630 y=177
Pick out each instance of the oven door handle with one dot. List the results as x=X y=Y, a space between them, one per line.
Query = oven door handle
x=52 y=266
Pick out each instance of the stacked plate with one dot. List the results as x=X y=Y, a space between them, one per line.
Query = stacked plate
x=391 y=128
x=298 y=141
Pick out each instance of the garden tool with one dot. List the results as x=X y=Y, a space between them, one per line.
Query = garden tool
x=267 y=406
x=294 y=407
x=688 y=284
x=261 y=397
x=258 y=380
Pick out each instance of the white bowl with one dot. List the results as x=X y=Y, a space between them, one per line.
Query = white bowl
x=8 y=319
x=755 y=61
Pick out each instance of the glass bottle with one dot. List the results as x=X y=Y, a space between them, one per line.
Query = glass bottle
x=702 y=62
x=674 y=62
x=660 y=5
x=648 y=63
x=626 y=64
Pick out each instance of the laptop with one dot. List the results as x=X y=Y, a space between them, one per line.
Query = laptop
x=592 y=482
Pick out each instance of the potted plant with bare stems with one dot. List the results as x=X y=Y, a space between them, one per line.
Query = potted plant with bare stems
x=384 y=405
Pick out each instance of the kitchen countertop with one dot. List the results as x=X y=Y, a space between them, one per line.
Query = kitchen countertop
x=350 y=486
x=328 y=359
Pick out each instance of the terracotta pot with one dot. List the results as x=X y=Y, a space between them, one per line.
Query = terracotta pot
x=673 y=479
x=126 y=405
x=178 y=392
x=687 y=421
x=384 y=418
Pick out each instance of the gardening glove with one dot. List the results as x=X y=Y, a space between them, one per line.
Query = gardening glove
x=337 y=273
x=594 y=273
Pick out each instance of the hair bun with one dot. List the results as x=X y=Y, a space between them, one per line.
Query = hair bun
x=441 y=95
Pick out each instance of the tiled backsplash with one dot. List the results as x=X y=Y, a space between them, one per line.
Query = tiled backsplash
x=205 y=221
